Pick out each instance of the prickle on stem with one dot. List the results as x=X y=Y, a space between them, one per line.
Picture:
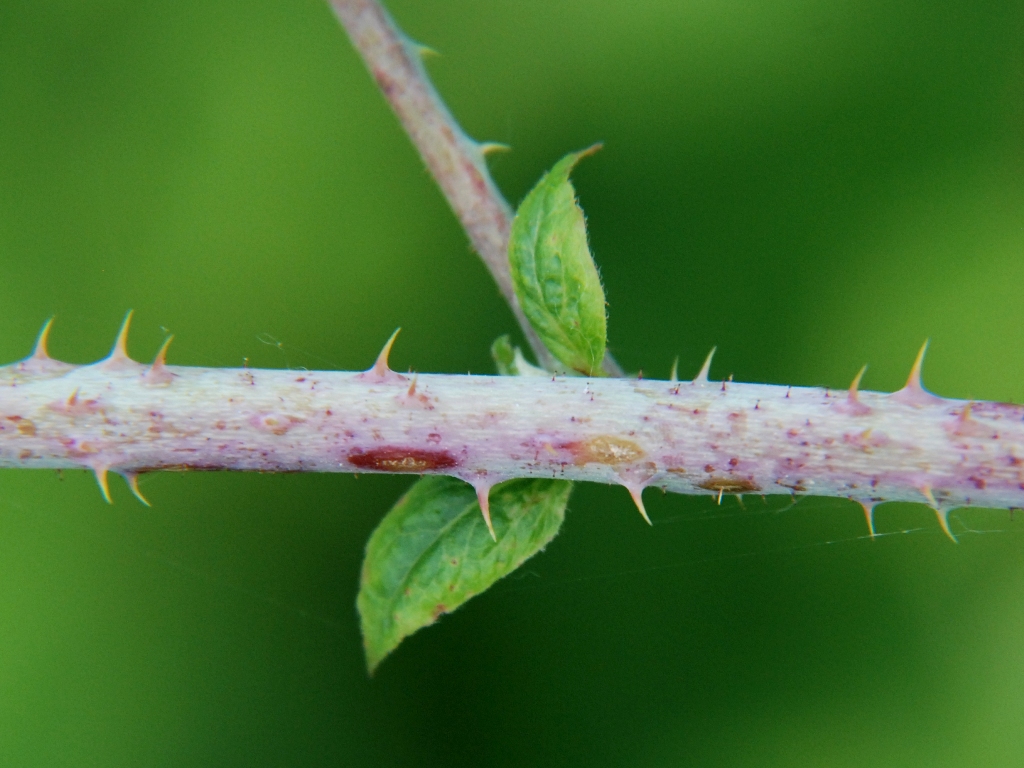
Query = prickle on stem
x=913 y=391
x=869 y=515
x=158 y=373
x=40 y=354
x=118 y=357
x=380 y=370
x=132 y=479
x=635 y=492
x=483 y=496
x=101 y=481
x=855 y=385
x=702 y=376
x=942 y=513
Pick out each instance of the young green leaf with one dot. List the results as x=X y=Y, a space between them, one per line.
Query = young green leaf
x=553 y=273
x=504 y=355
x=509 y=360
x=432 y=552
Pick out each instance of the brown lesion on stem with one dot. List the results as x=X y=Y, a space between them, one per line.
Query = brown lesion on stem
x=729 y=485
x=398 y=459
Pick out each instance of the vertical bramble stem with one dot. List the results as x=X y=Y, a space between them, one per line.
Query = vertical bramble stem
x=456 y=162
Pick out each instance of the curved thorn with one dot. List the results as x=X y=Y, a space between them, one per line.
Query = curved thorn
x=101 y=480
x=119 y=352
x=926 y=491
x=380 y=370
x=869 y=516
x=914 y=380
x=673 y=377
x=158 y=373
x=380 y=367
x=855 y=386
x=636 y=491
x=132 y=478
x=493 y=147
x=40 y=353
x=161 y=356
x=702 y=377
x=483 y=493
x=943 y=516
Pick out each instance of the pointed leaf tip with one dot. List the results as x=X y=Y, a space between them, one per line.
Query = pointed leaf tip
x=493 y=147
x=429 y=555
x=553 y=273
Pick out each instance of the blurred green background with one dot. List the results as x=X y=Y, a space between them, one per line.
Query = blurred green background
x=809 y=185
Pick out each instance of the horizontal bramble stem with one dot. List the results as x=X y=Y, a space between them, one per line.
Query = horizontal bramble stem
x=694 y=437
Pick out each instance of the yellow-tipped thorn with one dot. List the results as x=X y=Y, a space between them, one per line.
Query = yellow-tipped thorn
x=119 y=354
x=40 y=353
x=914 y=380
x=855 y=386
x=101 y=480
x=926 y=491
x=913 y=391
x=483 y=493
x=943 y=516
x=380 y=369
x=636 y=491
x=161 y=356
x=493 y=147
x=673 y=377
x=702 y=377
x=158 y=373
x=132 y=479
x=869 y=516
x=965 y=414
x=940 y=512
x=425 y=51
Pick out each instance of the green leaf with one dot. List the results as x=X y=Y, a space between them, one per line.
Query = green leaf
x=432 y=552
x=553 y=273
x=509 y=360
x=504 y=356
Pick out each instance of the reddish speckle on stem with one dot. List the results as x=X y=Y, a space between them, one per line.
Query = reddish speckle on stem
x=397 y=459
